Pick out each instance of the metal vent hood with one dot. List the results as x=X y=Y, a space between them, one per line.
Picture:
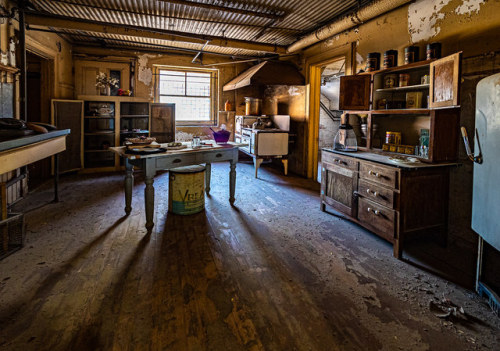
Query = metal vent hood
x=267 y=73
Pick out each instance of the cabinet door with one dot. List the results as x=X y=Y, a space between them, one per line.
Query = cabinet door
x=355 y=92
x=445 y=80
x=68 y=114
x=163 y=122
x=337 y=187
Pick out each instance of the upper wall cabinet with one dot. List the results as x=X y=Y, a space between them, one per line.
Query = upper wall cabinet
x=355 y=92
x=419 y=85
x=87 y=71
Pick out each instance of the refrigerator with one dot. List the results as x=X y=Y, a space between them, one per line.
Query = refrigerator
x=486 y=183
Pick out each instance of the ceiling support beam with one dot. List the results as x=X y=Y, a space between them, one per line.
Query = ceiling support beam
x=273 y=16
x=47 y=20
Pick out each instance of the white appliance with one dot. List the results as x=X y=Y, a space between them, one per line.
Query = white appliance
x=264 y=143
x=486 y=192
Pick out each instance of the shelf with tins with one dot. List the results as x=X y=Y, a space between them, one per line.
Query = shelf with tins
x=434 y=105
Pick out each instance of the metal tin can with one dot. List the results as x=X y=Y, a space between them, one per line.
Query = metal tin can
x=404 y=79
x=390 y=58
x=411 y=54
x=433 y=51
x=390 y=80
x=373 y=62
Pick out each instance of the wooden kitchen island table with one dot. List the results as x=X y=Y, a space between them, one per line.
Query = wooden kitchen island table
x=152 y=163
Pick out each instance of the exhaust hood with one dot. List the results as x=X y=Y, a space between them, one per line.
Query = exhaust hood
x=267 y=73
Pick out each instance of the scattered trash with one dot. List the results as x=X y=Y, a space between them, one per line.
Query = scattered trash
x=446 y=308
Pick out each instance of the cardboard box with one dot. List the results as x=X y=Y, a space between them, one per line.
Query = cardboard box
x=414 y=99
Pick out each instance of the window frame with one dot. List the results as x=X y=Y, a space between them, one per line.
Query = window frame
x=214 y=92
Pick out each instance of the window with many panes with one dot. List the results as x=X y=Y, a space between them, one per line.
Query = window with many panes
x=193 y=93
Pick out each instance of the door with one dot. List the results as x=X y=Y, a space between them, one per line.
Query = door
x=445 y=80
x=338 y=185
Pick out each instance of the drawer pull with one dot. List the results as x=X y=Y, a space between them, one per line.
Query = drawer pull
x=177 y=160
x=375 y=212
x=376 y=174
x=218 y=155
x=339 y=162
x=369 y=192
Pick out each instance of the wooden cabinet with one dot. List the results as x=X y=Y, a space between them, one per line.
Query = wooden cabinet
x=426 y=102
x=396 y=202
x=104 y=121
x=338 y=182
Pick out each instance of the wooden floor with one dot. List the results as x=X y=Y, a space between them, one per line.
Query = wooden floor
x=271 y=273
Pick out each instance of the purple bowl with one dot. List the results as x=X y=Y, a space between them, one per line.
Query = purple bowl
x=221 y=136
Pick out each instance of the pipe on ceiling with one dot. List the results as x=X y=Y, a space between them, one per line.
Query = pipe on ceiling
x=375 y=9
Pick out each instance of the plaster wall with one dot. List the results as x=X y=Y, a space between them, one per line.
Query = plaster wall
x=471 y=26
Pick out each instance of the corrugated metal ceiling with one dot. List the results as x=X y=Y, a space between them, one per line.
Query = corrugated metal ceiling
x=300 y=17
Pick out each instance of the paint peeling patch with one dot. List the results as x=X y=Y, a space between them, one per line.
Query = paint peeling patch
x=469 y=7
x=145 y=73
x=331 y=41
x=293 y=91
x=423 y=17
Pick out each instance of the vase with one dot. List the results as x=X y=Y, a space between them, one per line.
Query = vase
x=108 y=90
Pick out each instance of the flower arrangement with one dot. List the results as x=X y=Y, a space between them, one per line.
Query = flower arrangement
x=103 y=81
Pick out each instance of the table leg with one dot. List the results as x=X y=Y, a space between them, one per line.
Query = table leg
x=149 y=192
x=129 y=182
x=232 y=181
x=208 y=174
x=56 y=178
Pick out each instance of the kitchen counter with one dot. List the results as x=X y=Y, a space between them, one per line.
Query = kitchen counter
x=31 y=139
x=385 y=159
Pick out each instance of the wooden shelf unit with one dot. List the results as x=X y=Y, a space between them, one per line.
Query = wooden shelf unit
x=392 y=200
x=124 y=115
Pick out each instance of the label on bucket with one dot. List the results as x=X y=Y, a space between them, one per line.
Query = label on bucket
x=188 y=193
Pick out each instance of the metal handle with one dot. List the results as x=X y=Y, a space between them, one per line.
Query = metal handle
x=375 y=212
x=369 y=192
x=376 y=174
x=478 y=158
x=177 y=160
x=218 y=155
x=339 y=162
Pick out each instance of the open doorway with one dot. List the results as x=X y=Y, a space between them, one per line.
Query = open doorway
x=329 y=113
x=38 y=110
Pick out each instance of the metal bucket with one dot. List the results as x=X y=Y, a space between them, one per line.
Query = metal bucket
x=186 y=190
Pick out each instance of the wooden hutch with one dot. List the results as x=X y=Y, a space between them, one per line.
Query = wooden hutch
x=378 y=189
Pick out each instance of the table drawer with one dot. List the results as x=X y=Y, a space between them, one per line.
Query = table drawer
x=387 y=176
x=173 y=161
x=220 y=155
x=380 y=218
x=339 y=160
x=378 y=194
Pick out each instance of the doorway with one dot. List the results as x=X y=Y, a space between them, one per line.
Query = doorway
x=38 y=110
x=329 y=113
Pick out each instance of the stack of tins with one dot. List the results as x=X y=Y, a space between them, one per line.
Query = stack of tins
x=186 y=190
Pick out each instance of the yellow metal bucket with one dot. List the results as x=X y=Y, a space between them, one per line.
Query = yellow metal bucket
x=186 y=190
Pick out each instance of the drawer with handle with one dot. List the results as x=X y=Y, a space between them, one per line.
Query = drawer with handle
x=380 y=218
x=387 y=176
x=376 y=193
x=338 y=160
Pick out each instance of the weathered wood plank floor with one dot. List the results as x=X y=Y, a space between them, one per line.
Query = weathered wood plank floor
x=272 y=273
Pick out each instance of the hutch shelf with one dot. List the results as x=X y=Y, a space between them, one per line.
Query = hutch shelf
x=374 y=187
